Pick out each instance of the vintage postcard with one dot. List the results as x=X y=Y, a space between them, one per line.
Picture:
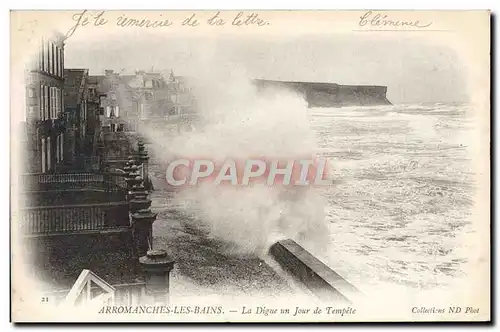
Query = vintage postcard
x=250 y=166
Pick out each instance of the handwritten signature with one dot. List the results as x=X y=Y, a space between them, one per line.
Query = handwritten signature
x=379 y=20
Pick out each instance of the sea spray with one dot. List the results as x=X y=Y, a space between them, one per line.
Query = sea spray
x=238 y=121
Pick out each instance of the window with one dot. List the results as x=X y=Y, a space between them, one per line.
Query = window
x=56 y=57
x=32 y=112
x=61 y=70
x=61 y=149
x=49 y=154
x=46 y=57
x=46 y=102
x=53 y=102
x=108 y=111
x=43 y=155
x=113 y=127
x=49 y=57
x=57 y=148
x=53 y=58
x=58 y=73
x=42 y=103
x=117 y=111
x=102 y=100
x=31 y=93
x=58 y=102
x=61 y=57
x=143 y=112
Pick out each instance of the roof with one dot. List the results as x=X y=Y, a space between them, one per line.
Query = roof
x=104 y=82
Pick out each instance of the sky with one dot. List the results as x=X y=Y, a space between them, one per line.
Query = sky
x=412 y=71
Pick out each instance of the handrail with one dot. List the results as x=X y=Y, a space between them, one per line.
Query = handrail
x=84 y=282
x=105 y=180
x=70 y=218
x=73 y=174
x=45 y=207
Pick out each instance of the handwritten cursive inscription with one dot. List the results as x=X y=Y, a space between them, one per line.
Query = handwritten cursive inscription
x=124 y=21
x=379 y=20
x=241 y=19
x=82 y=19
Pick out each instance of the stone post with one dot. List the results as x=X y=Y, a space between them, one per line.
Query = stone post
x=142 y=222
x=142 y=218
x=127 y=169
x=132 y=179
x=101 y=154
x=156 y=265
x=139 y=197
x=127 y=166
x=145 y=169
x=142 y=159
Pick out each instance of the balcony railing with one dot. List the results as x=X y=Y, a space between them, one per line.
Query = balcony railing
x=74 y=218
x=110 y=182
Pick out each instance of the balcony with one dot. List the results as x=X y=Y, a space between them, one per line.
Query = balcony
x=72 y=202
x=108 y=182
x=73 y=218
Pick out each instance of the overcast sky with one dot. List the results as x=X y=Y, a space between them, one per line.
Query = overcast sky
x=413 y=72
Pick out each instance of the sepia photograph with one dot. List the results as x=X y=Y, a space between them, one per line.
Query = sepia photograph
x=250 y=166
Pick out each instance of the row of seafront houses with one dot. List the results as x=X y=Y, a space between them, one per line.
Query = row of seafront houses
x=67 y=109
x=86 y=226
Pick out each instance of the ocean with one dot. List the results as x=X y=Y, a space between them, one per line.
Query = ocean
x=404 y=193
x=400 y=208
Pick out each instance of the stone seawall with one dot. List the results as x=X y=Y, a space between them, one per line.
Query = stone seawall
x=332 y=94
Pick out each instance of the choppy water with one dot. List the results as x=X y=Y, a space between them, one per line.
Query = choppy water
x=404 y=195
x=399 y=212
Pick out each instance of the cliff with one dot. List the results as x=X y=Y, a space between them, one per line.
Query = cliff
x=332 y=94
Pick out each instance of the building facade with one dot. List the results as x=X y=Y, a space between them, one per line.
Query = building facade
x=128 y=100
x=45 y=130
x=76 y=109
x=181 y=95
x=107 y=89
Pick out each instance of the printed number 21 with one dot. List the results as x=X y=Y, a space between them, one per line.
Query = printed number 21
x=45 y=299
